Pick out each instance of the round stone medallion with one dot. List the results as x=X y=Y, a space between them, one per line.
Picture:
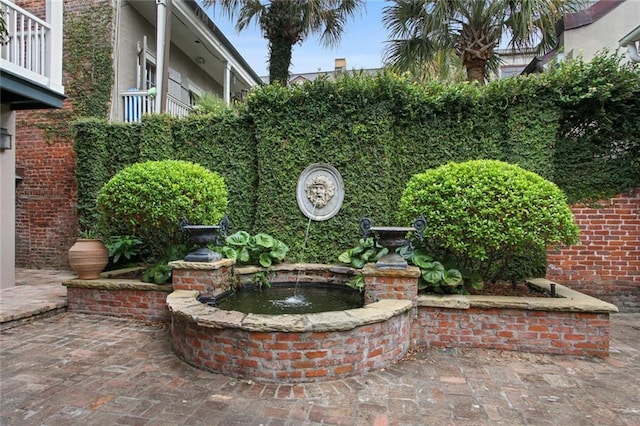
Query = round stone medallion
x=320 y=191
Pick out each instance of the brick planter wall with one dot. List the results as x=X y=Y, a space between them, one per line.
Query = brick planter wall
x=573 y=324
x=207 y=278
x=124 y=298
x=606 y=263
x=390 y=283
x=567 y=333
x=330 y=345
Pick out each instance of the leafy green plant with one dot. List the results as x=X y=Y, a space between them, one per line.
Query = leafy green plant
x=440 y=277
x=123 y=247
x=157 y=274
x=147 y=200
x=260 y=280
x=366 y=251
x=357 y=282
x=484 y=213
x=210 y=103
x=262 y=249
x=89 y=234
x=160 y=273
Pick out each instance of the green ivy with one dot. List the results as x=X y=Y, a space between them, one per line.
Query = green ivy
x=575 y=126
x=88 y=68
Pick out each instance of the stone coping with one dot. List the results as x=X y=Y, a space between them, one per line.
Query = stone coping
x=295 y=267
x=183 y=303
x=218 y=264
x=569 y=300
x=408 y=272
x=117 y=284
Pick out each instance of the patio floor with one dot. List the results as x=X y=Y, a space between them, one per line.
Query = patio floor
x=90 y=370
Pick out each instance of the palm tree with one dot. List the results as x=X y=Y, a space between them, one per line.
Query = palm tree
x=473 y=29
x=287 y=22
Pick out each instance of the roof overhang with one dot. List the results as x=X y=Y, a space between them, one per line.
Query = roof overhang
x=632 y=37
x=193 y=32
x=20 y=93
x=630 y=42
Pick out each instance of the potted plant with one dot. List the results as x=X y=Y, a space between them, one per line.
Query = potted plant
x=88 y=255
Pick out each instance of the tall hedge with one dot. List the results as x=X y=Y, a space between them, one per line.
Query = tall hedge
x=575 y=126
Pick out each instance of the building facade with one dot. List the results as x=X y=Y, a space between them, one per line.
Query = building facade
x=30 y=80
x=164 y=54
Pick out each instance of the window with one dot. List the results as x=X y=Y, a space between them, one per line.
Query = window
x=150 y=76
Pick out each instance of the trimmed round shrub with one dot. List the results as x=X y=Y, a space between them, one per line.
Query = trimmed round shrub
x=148 y=200
x=487 y=214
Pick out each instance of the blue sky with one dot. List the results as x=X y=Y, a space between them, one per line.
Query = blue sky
x=362 y=43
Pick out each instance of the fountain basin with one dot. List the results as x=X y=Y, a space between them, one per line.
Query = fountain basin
x=290 y=347
x=288 y=298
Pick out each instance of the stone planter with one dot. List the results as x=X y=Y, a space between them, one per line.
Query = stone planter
x=88 y=257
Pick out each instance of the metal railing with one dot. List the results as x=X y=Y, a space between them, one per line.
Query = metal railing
x=26 y=44
x=138 y=103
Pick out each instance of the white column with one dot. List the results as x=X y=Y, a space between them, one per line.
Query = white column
x=8 y=202
x=55 y=18
x=161 y=20
x=226 y=90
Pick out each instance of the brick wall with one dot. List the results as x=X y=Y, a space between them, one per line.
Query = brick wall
x=290 y=356
x=123 y=303
x=567 y=333
x=210 y=282
x=46 y=219
x=606 y=263
x=45 y=198
x=390 y=284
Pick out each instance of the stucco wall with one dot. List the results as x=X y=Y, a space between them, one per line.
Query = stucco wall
x=132 y=28
x=605 y=32
x=7 y=204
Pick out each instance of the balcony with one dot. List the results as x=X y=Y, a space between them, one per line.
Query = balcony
x=31 y=57
x=138 y=103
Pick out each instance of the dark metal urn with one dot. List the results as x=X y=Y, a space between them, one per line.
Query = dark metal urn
x=203 y=235
x=391 y=237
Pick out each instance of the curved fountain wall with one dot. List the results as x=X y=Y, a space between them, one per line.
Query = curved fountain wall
x=295 y=348
x=290 y=347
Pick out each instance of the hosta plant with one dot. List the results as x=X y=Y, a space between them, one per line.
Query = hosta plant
x=439 y=277
x=366 y=251
x=262 y=249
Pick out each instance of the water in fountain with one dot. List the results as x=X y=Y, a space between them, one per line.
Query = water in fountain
x=297 y=299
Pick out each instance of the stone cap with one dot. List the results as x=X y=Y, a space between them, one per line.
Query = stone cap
x=408 y=272
x=183 y=303
x=294 y=267
x=117 y=284
x=218 y=264
x=569 y=300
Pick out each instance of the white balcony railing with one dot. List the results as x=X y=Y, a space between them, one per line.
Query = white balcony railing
x=137 y=103
x=27 y=49
x=176 y=108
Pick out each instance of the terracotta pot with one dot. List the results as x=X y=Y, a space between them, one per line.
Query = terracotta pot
x=88 y=258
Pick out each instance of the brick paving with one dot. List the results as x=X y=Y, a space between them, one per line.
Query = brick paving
x=38 y=293
x=92 y=370
x=76 y=369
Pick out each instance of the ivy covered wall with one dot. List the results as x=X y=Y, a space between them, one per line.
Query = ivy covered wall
x=576 y=126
